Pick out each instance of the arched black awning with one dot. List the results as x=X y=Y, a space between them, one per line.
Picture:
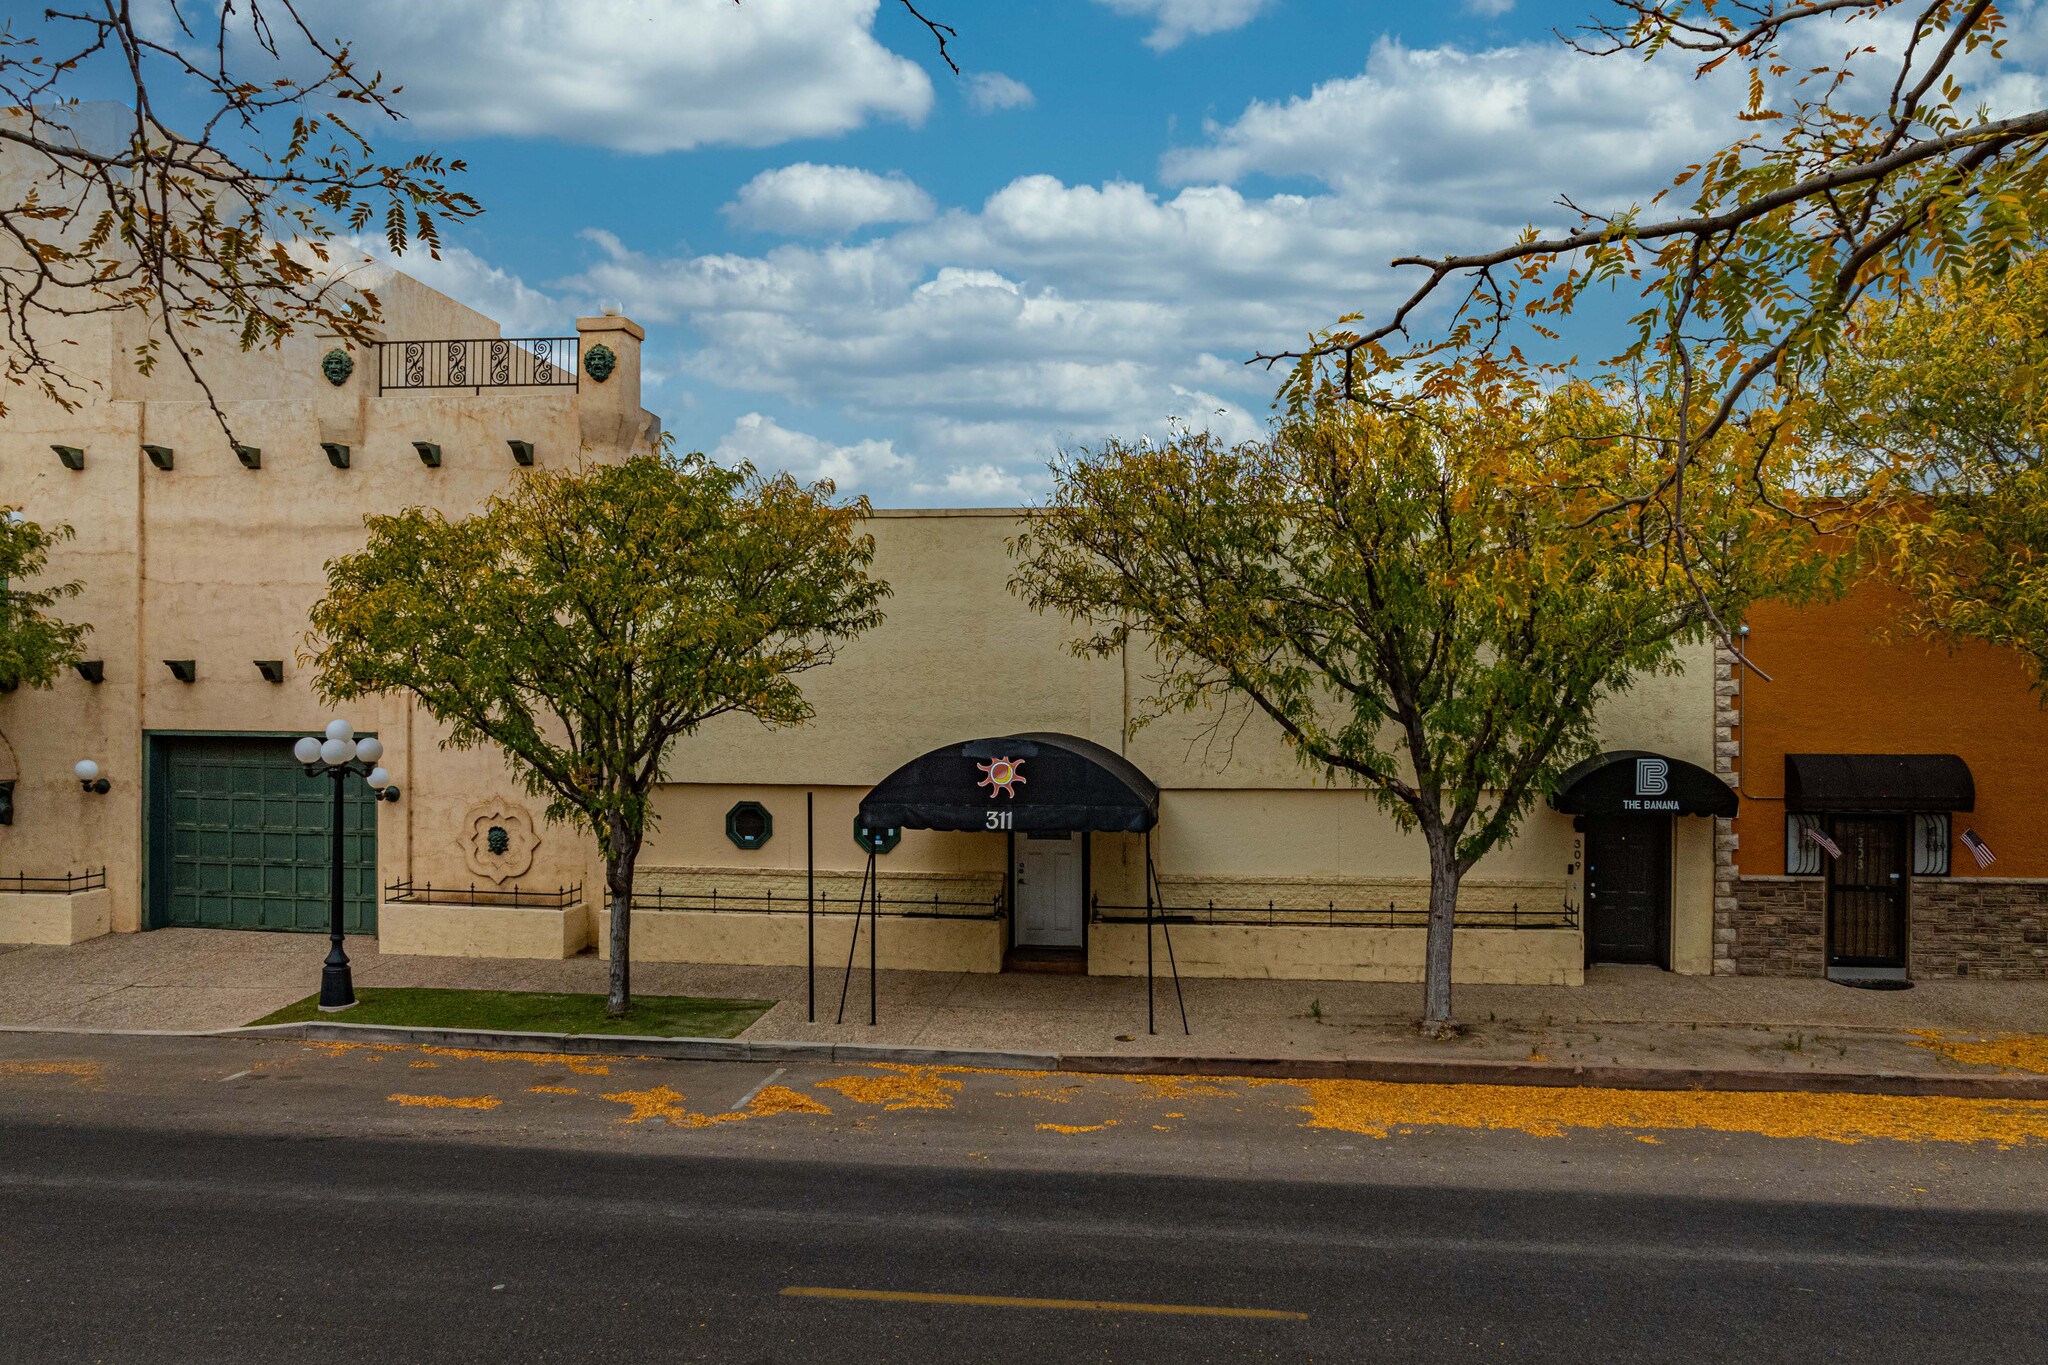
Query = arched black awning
x=1638 y=782
x=1040 y=782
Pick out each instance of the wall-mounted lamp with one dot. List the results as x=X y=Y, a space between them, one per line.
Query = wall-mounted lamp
x=88 y=774
x=250 y=456
x=92 y=670
x=184 y=670
x=430 y=454
x=271 y=669
x=337 y=453
x=160 y=456
x=72 y=456
x=522 y=451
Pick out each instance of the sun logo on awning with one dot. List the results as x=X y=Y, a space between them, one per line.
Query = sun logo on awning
x=1001 y=775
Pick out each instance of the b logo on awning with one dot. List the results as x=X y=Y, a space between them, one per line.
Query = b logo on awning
x=1653 y=777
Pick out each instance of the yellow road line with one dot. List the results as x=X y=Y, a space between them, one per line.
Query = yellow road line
x=800 y=1291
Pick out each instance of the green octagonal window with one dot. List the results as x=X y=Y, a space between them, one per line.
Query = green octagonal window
x=875 y=840
x=749 y=825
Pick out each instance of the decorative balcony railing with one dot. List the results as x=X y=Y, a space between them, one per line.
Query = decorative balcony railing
x=479 y=364
x=426 y=893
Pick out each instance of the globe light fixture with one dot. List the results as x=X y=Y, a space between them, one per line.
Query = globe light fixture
x=338 y=756
x=88 y=774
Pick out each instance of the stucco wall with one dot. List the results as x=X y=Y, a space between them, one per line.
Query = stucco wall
x=218 y=563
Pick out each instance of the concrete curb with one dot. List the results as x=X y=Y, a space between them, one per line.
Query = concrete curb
x=1389 y=1070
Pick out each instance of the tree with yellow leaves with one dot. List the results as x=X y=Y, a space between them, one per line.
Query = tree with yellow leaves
x=1941 y=404
x=1424 y=602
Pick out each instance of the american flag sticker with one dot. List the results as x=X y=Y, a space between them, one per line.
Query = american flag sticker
x=1833 y=849
x=1979 y=850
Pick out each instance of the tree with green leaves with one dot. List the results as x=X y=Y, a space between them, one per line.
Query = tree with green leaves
x=35 y=644
x=585 y=621
x=1868 y=162
x=1941 y=402
x=1423 y=602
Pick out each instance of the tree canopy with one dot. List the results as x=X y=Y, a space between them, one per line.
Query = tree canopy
x=1942 y=402
x=585 y=621
x=35 y=644
x=1423 y=602
x=1860 y=174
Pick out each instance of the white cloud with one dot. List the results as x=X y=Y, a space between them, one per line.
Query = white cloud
x=638 y=75
x=519 y=309
x=1176 y=21
x=827 y=200
x=1489 y=9
x=987 y=484
x=988 y=91
x=767 y=445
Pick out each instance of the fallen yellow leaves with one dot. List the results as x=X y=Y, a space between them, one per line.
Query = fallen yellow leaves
x=1378 y=1108
x=672 y=1106
x=85 y=1073
x=901 y=1087
x=581 y=1065
x=780 y=1099
x=2014 y=1051
x=447 y=1101
x=552 y=1090
x=1076 y=1127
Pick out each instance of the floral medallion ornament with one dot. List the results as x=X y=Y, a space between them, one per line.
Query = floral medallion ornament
x=498 y=840
x=599 y=362
x=1000 y=776
x=337 y=365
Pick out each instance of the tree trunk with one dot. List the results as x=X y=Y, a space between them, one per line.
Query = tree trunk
x=1443 y=909
x=618 y=885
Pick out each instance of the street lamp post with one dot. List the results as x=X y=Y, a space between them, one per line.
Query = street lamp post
x=336 y=757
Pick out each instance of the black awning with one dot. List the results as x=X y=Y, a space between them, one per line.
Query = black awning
x=1054 y=783
x=1878 y=784
x=1638 y=782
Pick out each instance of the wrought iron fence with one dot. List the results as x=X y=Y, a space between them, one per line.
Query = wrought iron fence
x=768 y=903
x=479 y=363
x=92 y=879
x=426 y=893
x=1335 y=916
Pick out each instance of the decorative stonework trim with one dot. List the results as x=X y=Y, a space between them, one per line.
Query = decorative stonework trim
x=1727 y=767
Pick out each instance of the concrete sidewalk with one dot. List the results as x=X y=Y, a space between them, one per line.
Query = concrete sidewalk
x=191 y=979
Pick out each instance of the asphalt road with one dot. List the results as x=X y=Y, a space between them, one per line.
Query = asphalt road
x=158 y=1208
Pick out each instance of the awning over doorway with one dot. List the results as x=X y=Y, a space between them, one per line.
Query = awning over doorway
x=1035 y=782
x=1878 y=784
x=1638 y=782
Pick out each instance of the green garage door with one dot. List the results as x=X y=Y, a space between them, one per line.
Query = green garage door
x=241 y=836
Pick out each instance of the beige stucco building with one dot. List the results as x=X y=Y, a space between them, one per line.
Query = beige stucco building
x=200 y=562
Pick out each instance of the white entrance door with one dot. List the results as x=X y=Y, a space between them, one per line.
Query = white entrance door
x=1049 y=905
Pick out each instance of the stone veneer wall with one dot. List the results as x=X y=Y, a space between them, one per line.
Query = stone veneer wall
x=1974 y=926
x=1957 y=927
x=1727 y=767
x=1777 y=928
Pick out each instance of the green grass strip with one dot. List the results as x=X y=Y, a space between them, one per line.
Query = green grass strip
x=657 y=1016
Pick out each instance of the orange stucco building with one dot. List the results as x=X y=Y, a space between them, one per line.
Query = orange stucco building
x=1869 y=762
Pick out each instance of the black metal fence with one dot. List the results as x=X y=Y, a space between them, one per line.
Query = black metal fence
x=92 y=879
x=1335 y=916
x=426 y=893
x=768 y=903
x=479 y=363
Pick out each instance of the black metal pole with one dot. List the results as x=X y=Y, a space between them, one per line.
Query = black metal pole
x=337 y=990
x=810 y=915
x=1149 y=1025
x=873 y=932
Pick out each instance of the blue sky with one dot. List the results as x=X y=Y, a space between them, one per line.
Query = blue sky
x=853 y=264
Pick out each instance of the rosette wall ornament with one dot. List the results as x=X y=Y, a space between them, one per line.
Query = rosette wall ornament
x=499 y=840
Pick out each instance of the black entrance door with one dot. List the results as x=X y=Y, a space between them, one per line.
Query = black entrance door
x=1867 y=892
x=1628 y=888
